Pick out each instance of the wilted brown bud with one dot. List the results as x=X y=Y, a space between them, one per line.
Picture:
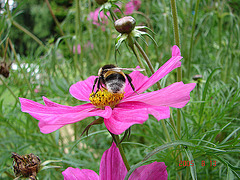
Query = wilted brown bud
x=26 y=165
x=4 y=69
x=101 y=2
x=197 y=77
x=125 y=24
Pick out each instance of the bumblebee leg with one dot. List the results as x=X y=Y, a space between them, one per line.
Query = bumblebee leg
x=99 y=83
x=130 y=82
x=95 y=82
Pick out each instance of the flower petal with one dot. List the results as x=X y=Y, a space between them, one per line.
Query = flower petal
x=128 y=113
x=76 y=174
x=153 y=171
x=82 y=89
x=112 y=166
x=132 y=6
x=176 y=51
x=49 y=103
x=159 y=112
x=176 y=95
x=138 y=79
x=122 y=119
x=170 y=65
x=51 y=107
x=56 y=116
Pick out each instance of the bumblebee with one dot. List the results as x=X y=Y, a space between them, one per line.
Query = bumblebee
x=113 y=79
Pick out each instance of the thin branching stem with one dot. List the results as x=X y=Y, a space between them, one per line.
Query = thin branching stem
x=19 y=65
x=147 y=60
x=138 y=58
x=58 y=25
x=77 y=32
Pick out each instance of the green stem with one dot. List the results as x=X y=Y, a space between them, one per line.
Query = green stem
x=108 y=36
x=138 y=58
x=179 y=123
x=75 y=59
x=220 y=12
x=63 y=74
x=147 y=60
x=28 y=33
x=175 y=22
x=54 y=17
x=9 y=89
x=119 y=145
x=220 y=31
x=173 y=125
x=179 y=70
x=191 y=41
x=166 y=131
x=77 y=32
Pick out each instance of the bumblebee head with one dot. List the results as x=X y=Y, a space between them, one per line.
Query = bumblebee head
x=105 y=68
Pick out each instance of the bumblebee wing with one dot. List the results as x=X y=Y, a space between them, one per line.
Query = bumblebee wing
x=118 y=69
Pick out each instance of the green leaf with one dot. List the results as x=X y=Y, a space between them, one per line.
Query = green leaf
x=50 y=167
x=192 y=168
x=138 y=33
x=144 y=27
x=205 y=94
x=230 y=175
x=116 y=6
x=50 y=161
x=232 y=168
x=120 y=39
x=230 y=135
x=101 y=9
x=167 y=145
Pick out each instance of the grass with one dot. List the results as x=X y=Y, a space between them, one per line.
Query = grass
x=209 y=122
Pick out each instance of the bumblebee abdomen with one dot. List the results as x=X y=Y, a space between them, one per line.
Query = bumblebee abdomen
x=115 y=82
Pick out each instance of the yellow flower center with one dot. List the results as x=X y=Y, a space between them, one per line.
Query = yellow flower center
x=104 y=98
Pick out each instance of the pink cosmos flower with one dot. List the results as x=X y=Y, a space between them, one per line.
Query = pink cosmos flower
x=94 y=17
x=134 y=108
x=131 y=6
x=88 y=45
x=112 y=167
x=78 y=49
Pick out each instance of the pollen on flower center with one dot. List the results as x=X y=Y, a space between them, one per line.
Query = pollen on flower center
x=105 y=98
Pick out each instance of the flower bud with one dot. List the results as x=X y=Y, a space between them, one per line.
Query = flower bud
x=4 y=69
x=101 y=2
x=26 y=165
x=197 y=77
x=125 y=24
